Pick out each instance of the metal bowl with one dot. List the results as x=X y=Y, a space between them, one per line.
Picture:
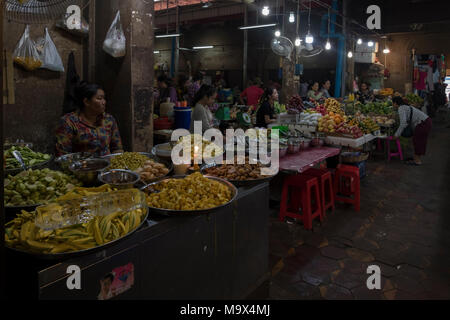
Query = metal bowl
x=66 y=160
x=167 y=162
x=87 y=170
x=166 y=212
x=120 y=179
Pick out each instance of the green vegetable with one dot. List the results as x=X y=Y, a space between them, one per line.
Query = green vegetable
x=30 y=157
x=37 y=187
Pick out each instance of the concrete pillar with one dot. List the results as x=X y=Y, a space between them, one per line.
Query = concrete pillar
x=290 y=83
x=128 y=81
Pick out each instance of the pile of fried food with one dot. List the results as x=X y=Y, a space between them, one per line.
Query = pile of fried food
x=152 y=170
x=22 y=233
x=195 y=192
x=236 y=172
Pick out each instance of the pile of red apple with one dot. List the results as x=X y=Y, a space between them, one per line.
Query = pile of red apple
x=321 y=109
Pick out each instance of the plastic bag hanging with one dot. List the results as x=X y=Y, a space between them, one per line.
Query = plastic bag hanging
x=115 y=42
x=50 y=57
x=25 y=53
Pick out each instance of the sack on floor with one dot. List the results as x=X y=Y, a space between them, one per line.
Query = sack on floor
x=25 y=54
x=50 y=57
x=115 y=42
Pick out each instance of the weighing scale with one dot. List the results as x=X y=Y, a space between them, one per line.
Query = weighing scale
x=223 y=112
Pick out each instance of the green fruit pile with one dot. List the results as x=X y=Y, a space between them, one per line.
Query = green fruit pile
x=30 y=158
x=33 y=187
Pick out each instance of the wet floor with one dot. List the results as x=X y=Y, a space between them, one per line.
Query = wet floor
x=403 y=227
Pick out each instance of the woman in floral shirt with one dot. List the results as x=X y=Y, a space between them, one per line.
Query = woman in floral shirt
x=89 y=129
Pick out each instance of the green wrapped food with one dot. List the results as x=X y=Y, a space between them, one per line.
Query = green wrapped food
x=29 y=157
x=37 y=187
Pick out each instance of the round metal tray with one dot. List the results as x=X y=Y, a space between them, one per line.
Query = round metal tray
x=167 y=163
x=169 y=212
x=41 y=165
x=237 y=183
x=80 y=252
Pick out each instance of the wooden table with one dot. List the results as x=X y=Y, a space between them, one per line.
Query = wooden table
x=306 y=159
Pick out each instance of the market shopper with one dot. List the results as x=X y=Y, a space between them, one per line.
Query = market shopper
x=166 y=90
x=365 y=95
x=420 y=123
x=90 y=128
x=194 y=88
x=205 y=97
x=314 y=92
x=266 y=112
x=253 y=93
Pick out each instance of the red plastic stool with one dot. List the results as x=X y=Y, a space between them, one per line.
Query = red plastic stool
x=326 y=187
x=347 y=185
x=301 y=189
x=399 y=152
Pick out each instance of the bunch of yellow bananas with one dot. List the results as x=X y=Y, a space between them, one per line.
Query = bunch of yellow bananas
x=332 y=105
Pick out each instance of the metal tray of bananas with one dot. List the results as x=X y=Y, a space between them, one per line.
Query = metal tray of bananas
x=77 y=236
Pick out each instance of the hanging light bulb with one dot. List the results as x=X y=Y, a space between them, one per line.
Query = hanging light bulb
x=277 y=33
x=350 y=54
x=291 y=17
x=370 y=43
x=328 y=45
x=360 y=41
x=386 y=51
x=265 y=11
x=309 y=38
x=298 y=42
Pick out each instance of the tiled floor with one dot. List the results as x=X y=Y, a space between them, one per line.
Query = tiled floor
x=403 y=227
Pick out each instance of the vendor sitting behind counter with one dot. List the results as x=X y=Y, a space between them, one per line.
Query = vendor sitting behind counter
x=266 y=112
x=204 y=97
x=90 y=128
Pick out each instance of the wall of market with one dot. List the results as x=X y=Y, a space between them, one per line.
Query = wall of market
x=399 y=60
x=39 y=94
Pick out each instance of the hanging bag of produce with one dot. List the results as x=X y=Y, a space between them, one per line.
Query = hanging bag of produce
x=115 y=42
x=25 y=53
x=50 y=57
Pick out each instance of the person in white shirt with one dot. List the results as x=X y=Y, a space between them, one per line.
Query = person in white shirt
x=420 y=123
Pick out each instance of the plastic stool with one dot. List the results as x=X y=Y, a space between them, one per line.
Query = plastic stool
x=347 y=185
x=399 y=152
x=301 y=188
x=326 y=187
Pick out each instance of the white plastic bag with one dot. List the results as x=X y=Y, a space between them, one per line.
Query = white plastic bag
x=25 y=53
x=50 y=57
x=115 y=42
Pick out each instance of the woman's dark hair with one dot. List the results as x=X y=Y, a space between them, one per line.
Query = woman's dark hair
x=268 y=92
x=165 y=79
x=204 y=91
x=325 y=81
x=109 y=276
x=398 y=100
x=197 y=77
x=366 y=83
x=312 y=85
x=85 y=90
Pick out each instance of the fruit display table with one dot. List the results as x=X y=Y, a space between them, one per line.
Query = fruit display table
x=349 y=142
x=306 y=159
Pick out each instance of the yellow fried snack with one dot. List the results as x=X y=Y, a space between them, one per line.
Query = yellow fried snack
x=194 y=192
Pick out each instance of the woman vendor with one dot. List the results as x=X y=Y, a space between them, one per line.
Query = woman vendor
x=204 y=97
x=266 y=113
x=365 y=95
x=90 y=128
x=314 y=92
x=420 y=123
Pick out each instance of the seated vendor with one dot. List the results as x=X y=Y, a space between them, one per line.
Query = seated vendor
x=90 y=128
x=205 y=97
x=266 y=113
